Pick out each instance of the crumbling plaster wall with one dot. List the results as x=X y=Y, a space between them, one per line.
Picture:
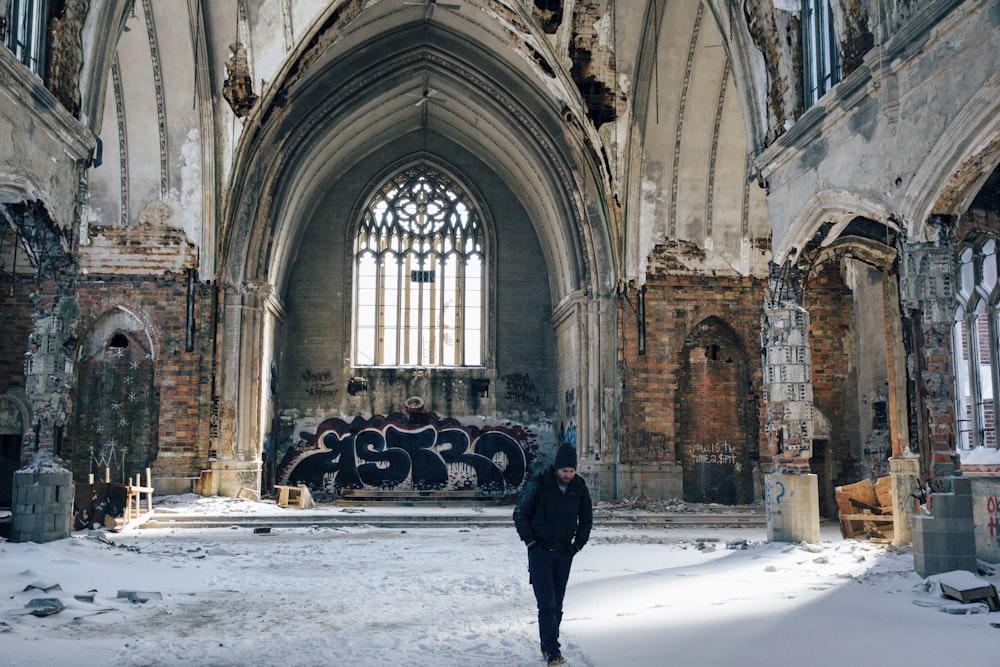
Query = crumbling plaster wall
x=151 y=198
x=776 y=29
x=692 y=190
x=41 y=171
x=886 y=139
x=44 y=144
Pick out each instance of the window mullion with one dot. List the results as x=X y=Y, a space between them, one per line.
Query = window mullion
x=433 y=316
x=994 y=368
x=975 y=384
x=400 y=310
x=441 y=276
x=405 y=324
x=379 y=315
x=460 y=311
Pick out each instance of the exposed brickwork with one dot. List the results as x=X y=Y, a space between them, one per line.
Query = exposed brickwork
x=682 y=313
x=182 y=378
x=16 y=309
x=928 y=293
x=717 y=419
x=829 y=302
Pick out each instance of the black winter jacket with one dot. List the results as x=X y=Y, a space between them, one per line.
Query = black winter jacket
x=553 y=519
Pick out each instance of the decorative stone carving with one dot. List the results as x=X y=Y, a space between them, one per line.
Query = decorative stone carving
x=238 y=88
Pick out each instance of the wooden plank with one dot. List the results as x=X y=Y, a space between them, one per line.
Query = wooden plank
x=878 y=518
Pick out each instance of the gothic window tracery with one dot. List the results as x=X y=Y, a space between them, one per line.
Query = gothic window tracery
x=977 y=326
x=419 y=274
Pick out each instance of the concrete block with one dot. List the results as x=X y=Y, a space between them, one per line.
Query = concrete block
x=951 y=506
x=943 y=525
x=941 y=563
x=60 y=478
x=941 y=545
x=955 y=543
x=961 y=486
x=31 y=495
x=792 y=508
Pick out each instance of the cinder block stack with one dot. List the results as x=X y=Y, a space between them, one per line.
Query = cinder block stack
x=43 y=505
x=945 y=540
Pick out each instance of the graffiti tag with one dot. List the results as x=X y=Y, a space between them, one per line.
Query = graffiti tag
x=394 y=455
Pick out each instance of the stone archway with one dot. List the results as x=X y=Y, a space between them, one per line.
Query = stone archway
x=115 y=431
x=498 y=129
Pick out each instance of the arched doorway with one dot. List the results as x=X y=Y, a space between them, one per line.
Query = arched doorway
x=717 y=418
x=13 y=423
x=114 y=434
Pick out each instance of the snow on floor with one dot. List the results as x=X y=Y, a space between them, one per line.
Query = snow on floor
x=460 y=596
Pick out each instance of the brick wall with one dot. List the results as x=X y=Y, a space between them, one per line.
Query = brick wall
x=829 y=303
x=182 y=379
x=684 y=312
x=15 y=327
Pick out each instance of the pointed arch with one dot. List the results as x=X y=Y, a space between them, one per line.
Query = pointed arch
x=420 y=243
x=717 y=440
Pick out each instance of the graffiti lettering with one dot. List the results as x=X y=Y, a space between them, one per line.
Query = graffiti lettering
x=520 y=389
x=394 y=455
x=319 y=384
x=570 y=403
x=309 y=376
x=993 y=522
x=720 y=453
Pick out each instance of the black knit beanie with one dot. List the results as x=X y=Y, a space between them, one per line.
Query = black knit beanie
x=565 y=457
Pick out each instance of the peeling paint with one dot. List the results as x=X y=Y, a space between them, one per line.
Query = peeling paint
x=549 y=14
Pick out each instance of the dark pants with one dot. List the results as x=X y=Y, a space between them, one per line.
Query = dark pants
x=549 y=573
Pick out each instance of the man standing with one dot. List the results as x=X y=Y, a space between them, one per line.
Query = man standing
x=553 y=517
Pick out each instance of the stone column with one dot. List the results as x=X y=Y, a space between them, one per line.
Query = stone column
x=237 y=462
x=926 y=290
x=905 y=474
x=792 y=495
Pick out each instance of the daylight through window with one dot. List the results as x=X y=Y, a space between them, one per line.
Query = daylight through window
x=420 y=274
x=821 y=66
x=24 y=32
x=975 y=342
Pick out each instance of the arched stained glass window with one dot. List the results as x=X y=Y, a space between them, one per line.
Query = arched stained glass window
x=419 y=274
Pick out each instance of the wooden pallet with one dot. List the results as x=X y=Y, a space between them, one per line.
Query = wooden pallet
x=865 y=509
